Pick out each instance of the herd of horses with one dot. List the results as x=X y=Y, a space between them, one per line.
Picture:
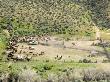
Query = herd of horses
x=12 y=48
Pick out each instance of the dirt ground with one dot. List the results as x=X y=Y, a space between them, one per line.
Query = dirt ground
x=76 y=52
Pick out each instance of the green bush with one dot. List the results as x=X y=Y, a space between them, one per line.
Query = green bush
x=47 y=67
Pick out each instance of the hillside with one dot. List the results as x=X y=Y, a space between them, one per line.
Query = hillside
x=54 y=40
x=46 y=17
x=54 y=17
x=101 y=12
